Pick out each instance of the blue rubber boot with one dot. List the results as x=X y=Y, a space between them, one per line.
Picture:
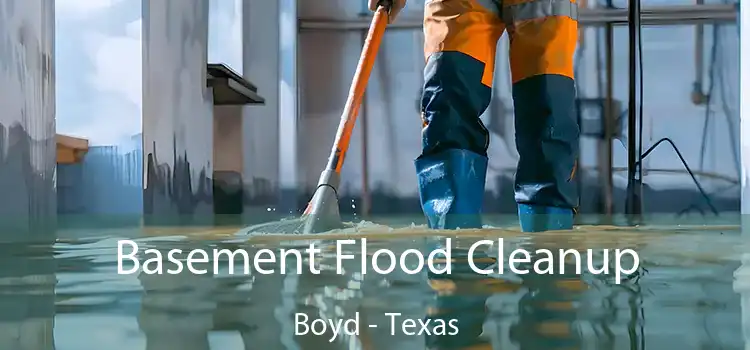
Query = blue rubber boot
x=537 y=218
x=451 y=188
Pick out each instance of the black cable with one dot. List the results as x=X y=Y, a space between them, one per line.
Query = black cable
x=633 y=204
x=636 y=168
x=695 y=206
x=690 y=172
x=716 y=74
x=687 y=168
x=637 y=44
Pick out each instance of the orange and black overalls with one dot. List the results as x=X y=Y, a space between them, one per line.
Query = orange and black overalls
x=460 y=44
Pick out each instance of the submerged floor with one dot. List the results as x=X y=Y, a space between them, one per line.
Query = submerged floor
x=71 y=297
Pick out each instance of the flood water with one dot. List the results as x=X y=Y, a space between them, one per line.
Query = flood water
x=69 y=296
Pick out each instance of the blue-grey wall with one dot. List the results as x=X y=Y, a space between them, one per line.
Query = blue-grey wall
x=106 y=188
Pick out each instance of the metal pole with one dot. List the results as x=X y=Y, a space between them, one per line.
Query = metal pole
x=634 y=190
x=605 y=145
x=698 y=97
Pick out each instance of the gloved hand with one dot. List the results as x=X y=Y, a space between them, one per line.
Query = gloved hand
x=396 y=7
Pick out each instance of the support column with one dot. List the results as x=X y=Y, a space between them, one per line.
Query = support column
x=288 y=105
x=228 y=164
x=177 y=113
x=260 y=47
x=270 y=131
x=27 y=119
x=225 y=47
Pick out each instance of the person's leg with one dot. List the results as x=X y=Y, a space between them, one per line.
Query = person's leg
x=544 y=35
x=460 y=44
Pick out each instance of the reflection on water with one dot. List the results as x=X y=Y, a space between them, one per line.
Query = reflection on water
x=683 y=299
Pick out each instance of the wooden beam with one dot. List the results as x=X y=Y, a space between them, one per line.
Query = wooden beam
x=71 y=150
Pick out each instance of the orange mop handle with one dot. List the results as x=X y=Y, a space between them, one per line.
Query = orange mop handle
x=357 y=89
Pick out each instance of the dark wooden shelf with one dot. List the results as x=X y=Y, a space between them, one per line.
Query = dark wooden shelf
x=230 y=88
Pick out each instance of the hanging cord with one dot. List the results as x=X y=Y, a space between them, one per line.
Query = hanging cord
x=687 y=168
x=716 y=67
x=717 y=77
x=708 y=97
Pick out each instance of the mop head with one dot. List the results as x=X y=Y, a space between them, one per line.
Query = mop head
x=293 y=226
x=322 y=216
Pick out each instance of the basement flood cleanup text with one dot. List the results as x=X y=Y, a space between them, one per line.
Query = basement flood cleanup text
x=131 y=259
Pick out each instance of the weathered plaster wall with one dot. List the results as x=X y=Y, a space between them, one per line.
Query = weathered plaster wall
x=27 y=119
x=27 y=171
x=177 y=112
x=227 y=128
x=228 y=160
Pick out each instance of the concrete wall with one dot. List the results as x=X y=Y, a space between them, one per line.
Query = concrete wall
x=27 y=118
x=261 y=122
x=228 y=160
x=27 y=170
x=177 y=112
x=228 y=155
